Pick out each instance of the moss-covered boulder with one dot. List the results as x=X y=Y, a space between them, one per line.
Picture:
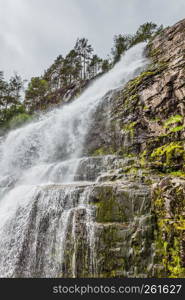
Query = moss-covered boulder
x=169 y=211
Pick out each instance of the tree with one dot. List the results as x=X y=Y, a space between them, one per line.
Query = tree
x=53 y=74
x=3 y=103
x=71 y=67
x=15 y=86
x=35 y=93
x=3 y=87
x=84 y=50
x=144 y=32
x=10 y=97
x=105 y=65
x=94 y=66
x=121 y=44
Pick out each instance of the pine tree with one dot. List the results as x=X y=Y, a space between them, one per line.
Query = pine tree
x=121 y=44
x=144 y=32
x=10 y=97
x=15 y=86
x=53 y=74
x=94 y=66
x=35 y=93
x=71 y=67
x=84 y=50
x=105 y=65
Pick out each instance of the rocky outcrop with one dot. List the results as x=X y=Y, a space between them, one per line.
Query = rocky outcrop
x=149 y=111
x=168 y=201
x=144 y=122
x=124 y=216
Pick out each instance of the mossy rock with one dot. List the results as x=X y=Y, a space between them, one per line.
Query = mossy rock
x=170 y=156
x=111 y=208
x=169 y=211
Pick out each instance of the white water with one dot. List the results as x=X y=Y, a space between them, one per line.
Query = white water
x=44 y=152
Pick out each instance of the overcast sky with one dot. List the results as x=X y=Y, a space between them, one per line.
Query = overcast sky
x=34 y=32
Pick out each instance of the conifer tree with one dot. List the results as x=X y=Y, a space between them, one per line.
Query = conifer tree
x=84 y=50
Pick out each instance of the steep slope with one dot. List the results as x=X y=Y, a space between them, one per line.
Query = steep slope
x=98 y=188
x=145 y=124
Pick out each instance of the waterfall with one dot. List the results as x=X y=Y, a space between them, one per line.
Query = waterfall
x=45 y=210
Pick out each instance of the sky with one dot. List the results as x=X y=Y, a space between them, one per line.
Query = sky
x=34 y=32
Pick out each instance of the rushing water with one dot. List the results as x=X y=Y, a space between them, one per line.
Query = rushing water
x=40 y=204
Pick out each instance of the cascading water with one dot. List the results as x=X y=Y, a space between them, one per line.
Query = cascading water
x=44 y=213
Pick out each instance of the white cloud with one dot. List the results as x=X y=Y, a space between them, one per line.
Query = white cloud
x=34 y=32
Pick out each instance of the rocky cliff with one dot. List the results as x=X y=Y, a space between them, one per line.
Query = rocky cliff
x=123 y=212
x=141 y=201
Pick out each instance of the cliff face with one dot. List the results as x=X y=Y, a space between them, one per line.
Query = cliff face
x=123 y=215
x=144 y=132
x=143 y=112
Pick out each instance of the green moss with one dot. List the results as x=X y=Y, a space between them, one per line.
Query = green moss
x=168 y=148
x=175 y=267
x=180 y=224
x=132 y=86
x=130 y=155
x=168 y=249
x=159 y=204
x=143 y=157
x=102 y=151
x=132 y=170
x=153 y=53
x=173 y=120
x=177 y=128
x=167 y=153
x=178 y=174
x=99 y=152
x=169 y=231
x=107 y=206
x=154 y=120
x=110 y=264
x=130 y=128
x=131 y=99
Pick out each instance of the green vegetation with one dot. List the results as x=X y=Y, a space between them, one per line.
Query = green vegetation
x=178 y=174
x=172 y=120
x=169 y=249
x=124 y=42
x=100 y=152
x=177 y=128
x=19 y=120
x=169 y=154
x=131 y=89
x=68 y=75
x=37 y=90
x=130 y=128
x=10 y=99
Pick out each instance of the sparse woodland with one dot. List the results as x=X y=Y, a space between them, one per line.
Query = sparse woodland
x=65 y=79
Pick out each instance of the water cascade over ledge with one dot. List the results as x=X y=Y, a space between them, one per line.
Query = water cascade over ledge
x=49 y=225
